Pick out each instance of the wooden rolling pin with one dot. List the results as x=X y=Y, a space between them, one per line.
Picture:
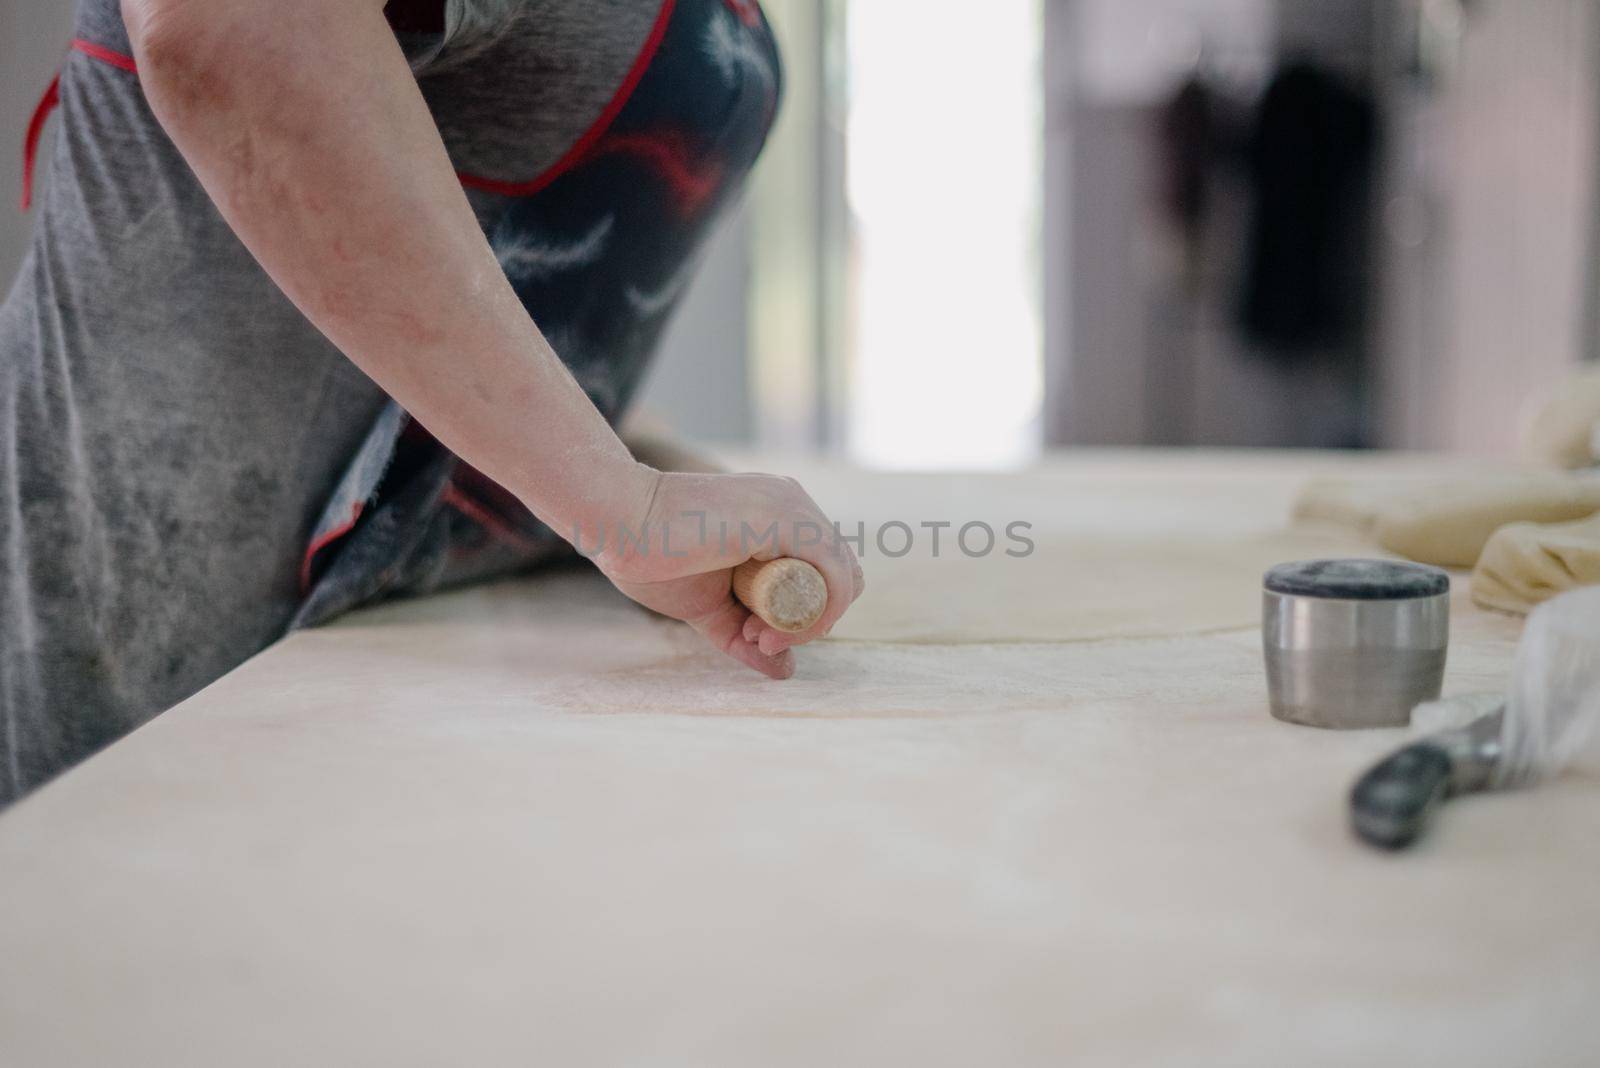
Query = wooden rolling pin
x=788 y=594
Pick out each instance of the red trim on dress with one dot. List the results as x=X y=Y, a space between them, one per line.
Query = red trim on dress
x=692 y=183
x=581 y=148
x=749 y=11
x=591 y=136
x=322 y=541
x=105 y=55
x=51 y=100
x=457 y=498
x=30 y=143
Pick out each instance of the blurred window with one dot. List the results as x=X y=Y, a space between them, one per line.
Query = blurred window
x=943 y=175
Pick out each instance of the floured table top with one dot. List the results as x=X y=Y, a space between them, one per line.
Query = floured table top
x=531 y=824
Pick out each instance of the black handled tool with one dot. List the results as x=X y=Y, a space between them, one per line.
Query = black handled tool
x=1390 y=805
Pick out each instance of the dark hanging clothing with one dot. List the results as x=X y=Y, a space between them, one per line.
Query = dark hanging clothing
x=1310 y=161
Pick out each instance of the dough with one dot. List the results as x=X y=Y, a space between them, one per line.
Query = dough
x=1079 y=587
x=1447 y=522
x=1566 y=432
x=1525 y=564
x=1450 y=526
x=1355 y=503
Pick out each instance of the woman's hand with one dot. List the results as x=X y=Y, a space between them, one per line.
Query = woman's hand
x=679 y=559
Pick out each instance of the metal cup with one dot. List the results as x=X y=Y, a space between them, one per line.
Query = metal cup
x=1354 y=643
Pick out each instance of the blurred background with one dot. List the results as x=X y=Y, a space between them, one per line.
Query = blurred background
x=983 y=231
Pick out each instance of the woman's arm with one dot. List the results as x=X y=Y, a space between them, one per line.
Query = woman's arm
x=302 y=120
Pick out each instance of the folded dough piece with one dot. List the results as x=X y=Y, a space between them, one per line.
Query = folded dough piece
x=1448 y=526
x=1525 y=564
x=1566 y=432
x=1447 y=522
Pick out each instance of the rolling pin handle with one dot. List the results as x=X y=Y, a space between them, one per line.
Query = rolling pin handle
x=788 y=595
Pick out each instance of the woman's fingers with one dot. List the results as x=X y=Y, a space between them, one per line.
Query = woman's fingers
x=773 y=642
x=780 y=666
x=769 y=640
x=765 y=637
x=725 y=629
x=753 y=626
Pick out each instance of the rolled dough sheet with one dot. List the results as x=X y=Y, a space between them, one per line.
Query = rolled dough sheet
x=1447 y=522
x=1355 y=503
x=1080 y=587
x=1526 y=564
